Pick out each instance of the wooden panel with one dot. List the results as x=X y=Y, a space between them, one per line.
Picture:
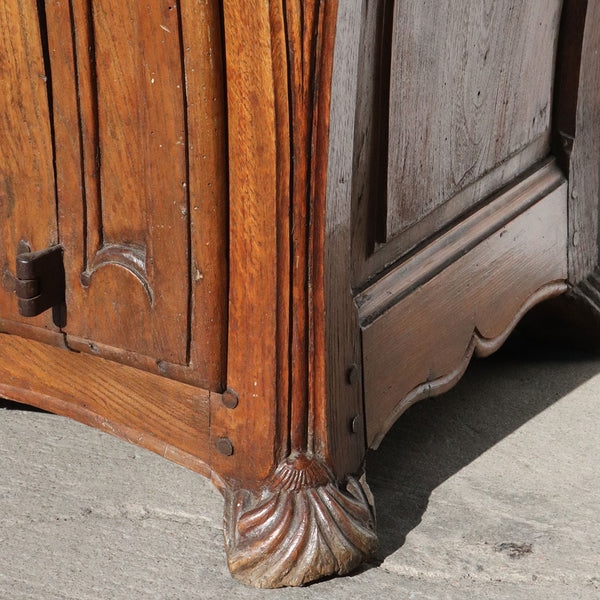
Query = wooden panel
x=134 y=251
x=581 y=103
x=27 y=196
x=252 y=357
x=344 y=418
x=422 y=323
x=167 y=417
x=371 y=260
x=369 y=171
x=207 y=183
x=469 y=88
x=142 y=183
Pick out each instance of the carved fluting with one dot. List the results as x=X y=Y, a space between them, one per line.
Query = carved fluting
x=302 y=526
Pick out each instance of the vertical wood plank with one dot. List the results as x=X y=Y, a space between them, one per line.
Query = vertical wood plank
x=584 y=159
x=27 y=194
x=252 y=357
x=346 y=447
x=207 y=183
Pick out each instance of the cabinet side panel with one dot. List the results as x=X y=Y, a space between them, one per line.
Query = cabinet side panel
x=469 y=88
x=421 y=345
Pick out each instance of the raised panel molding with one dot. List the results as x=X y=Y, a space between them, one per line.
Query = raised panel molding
x=433 y=83
x=461 y=295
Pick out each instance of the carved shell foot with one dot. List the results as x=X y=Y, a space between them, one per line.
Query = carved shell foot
x=300 y=527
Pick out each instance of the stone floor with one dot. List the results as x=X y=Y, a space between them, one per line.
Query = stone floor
x=491 y=491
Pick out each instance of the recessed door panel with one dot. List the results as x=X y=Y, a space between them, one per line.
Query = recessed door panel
x=141 y=157
x=132 y=291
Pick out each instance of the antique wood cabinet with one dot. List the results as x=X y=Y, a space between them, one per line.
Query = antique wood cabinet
x=281 y=223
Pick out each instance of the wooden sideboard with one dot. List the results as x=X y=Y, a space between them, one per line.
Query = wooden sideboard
x=266 y=228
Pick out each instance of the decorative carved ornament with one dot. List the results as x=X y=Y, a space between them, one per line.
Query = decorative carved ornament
x=300 y=527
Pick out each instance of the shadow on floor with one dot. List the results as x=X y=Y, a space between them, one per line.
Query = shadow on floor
x=437 y=437
x=10 y=405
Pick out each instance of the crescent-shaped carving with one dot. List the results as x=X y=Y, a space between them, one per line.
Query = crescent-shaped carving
x=131 y=258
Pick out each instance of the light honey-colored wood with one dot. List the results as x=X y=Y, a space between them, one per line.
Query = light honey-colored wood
x=27 y=193
x=162 y=243
x=167 y=417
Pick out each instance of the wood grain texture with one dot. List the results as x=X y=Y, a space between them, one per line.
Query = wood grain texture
x=167 y=417
x=457 y=241
x=135 y=266
x=288 y=520
x=214 y=161
x=580 y=134
x=370 y=263
x=203 y=57
x=278 y=234
x=470 y=304
x=344 y=422
x=566 y=79
x=179 y=292
x=456 y=76
x=27 y=193
x=252 y=362
x=371 y=124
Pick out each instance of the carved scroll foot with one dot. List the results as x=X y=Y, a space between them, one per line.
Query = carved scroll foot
x=299 y=527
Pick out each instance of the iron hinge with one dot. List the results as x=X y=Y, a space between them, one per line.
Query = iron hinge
x=40 y=283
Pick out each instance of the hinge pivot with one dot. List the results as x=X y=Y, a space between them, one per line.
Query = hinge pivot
x=40 y=283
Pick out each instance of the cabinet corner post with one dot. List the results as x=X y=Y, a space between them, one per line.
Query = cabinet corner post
x=296 y=509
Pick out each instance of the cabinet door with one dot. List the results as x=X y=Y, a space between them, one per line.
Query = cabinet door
x=463 y=106
x=138 y=90
x=27 y=191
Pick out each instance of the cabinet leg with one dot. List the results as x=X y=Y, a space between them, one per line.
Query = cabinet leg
x=299 y=526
